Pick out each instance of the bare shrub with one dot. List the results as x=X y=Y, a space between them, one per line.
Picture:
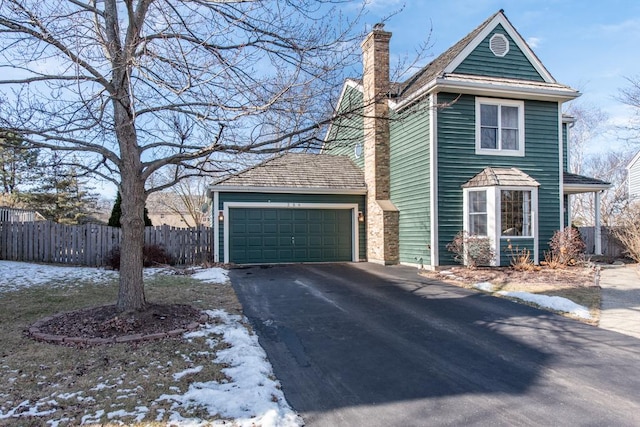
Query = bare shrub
x=567 y=246
x=471 y=250
x=152 y=255
x=520 y=259
x=552 y=260
x=627 y=230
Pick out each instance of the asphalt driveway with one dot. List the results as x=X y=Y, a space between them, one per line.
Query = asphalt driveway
x=367 y=345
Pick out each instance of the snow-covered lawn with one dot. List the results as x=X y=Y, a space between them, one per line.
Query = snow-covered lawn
x=250 y=397
x=555 y=303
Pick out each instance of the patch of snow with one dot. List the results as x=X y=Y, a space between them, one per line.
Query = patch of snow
x=139 y=415
x=17 y=275
x=101 y=386
x=551 y=302
x=92 y=419
x=252 y=397
x=179 y=375
x=484 y=286
x=212 y=275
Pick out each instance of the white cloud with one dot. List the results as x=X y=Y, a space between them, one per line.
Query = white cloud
x=534 y=42
x=626 y=27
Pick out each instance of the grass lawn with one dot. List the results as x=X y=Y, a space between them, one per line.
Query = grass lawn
x=47 y=384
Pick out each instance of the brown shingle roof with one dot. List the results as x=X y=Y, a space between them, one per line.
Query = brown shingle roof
x=436 y=67
x=491 y=177
x=300 y=170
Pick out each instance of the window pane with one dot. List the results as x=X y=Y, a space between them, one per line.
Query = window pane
x=478 y=213
x=515 y=207
x=509 y=139
x=489 y=115
x=478 y=201
x=509 y=117
x=478 y=224
x=489 y=138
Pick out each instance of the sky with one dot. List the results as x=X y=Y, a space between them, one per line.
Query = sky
x=589 y=45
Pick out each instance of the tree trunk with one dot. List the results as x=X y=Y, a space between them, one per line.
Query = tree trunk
x=131 y=294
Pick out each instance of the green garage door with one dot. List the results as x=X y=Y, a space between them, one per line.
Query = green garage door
x=270 y=235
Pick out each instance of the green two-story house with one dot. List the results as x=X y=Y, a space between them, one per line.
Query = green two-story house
x=475 y=142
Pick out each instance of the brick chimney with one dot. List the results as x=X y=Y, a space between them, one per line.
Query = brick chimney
x=382 y=215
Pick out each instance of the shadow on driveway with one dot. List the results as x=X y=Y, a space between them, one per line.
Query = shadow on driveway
x=362 y=344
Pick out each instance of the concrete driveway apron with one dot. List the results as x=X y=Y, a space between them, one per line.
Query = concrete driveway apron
x=368 y=345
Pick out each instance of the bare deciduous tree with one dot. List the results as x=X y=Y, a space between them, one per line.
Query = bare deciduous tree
x=135 y=86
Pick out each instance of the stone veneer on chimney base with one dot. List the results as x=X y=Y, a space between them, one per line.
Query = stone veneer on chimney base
x=382 y=215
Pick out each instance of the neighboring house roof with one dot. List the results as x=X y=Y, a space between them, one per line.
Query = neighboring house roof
x=574 y=183
x=633 y=161
x=298 y=171
x=503 y=177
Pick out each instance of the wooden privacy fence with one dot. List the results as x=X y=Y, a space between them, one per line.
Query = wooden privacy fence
x=610 y=245
x=91 y=244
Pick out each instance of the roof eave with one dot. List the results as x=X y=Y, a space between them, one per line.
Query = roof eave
x=442 y=84
x=286 y=190
x=584 y=188
x=506 y=90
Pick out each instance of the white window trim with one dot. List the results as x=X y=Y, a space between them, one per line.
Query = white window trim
x=501 y=152
x=533 y=191
x=494 y=218
x=534 y=221
x=491 y=217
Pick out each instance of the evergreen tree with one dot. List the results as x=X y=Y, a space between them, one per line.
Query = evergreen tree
x=18 y=166
x=61 y=195
x=114 y=219
x=116 y=212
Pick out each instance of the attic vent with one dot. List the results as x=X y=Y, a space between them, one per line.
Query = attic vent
x=499 y=45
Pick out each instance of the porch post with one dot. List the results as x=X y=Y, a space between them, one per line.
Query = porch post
x=598 y=234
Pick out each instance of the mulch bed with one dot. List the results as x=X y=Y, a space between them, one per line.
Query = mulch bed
x=106 y=324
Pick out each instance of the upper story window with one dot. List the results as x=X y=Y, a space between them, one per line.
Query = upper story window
x=499 y=127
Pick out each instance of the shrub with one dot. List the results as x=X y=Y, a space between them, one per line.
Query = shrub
x=152 y=255
x=627 y=230
x=566 y=246
x=520 y=259
x=471 y=250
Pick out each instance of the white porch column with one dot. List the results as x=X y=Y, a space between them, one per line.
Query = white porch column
x=598 y=234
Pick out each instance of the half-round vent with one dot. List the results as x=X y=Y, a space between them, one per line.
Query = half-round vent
x=499 y=45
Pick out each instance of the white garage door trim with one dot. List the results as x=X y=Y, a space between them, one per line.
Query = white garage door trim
x=230 y=205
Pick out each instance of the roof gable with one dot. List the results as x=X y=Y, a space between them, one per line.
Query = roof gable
x=483 y=62
x=499 y=24
x=291 y=171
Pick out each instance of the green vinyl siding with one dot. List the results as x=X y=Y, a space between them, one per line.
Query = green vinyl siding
x=518 y=247
x=410 y=177
x=457 y=163
x=292 y=198
x=347 y=130
x=483 y=62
